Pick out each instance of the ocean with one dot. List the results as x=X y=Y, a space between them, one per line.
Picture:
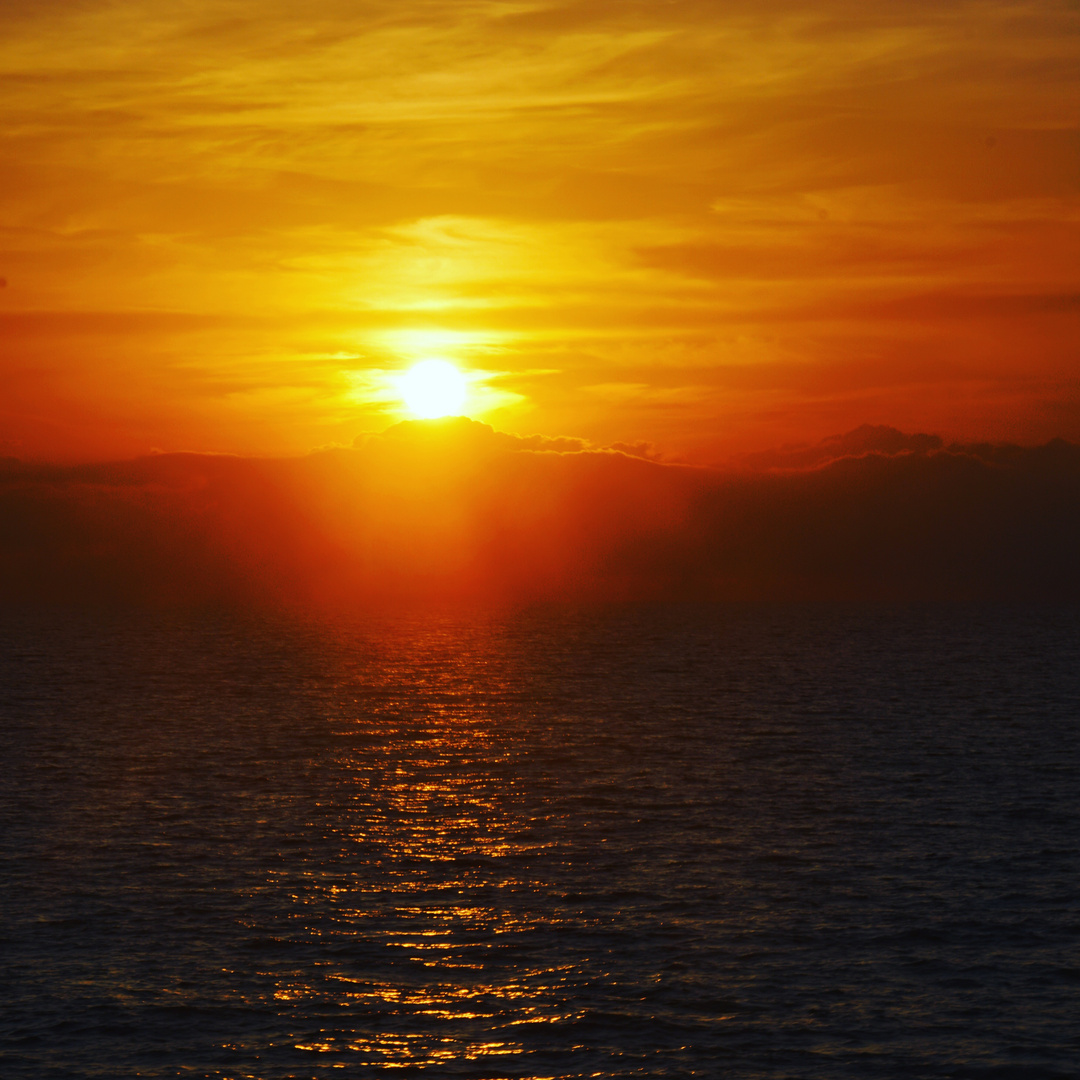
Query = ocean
x=641 y=841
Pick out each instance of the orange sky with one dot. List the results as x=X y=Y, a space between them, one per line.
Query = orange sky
x=713 y=226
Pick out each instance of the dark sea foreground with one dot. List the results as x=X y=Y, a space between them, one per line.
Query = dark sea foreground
x=670 y=841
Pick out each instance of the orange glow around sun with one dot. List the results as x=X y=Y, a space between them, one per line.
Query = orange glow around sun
x=712 y=228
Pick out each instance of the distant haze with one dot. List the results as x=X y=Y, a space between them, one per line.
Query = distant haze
x=454 y=510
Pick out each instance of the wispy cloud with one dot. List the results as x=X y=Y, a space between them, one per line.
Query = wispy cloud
x=628 y=187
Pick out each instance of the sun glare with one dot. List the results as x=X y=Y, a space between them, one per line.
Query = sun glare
x=433 y=388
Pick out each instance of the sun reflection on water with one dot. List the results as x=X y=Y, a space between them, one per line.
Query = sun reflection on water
x=421 y=919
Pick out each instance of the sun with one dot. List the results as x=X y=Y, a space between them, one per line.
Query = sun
x=433 y=388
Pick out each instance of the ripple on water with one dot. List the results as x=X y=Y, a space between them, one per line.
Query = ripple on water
x=651 y=841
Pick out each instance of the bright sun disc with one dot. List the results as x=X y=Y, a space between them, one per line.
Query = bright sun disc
x=433 y=388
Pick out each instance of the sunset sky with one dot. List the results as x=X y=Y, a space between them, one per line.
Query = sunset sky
x=716 y=227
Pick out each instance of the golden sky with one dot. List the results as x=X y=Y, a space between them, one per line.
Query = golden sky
x=713 y=226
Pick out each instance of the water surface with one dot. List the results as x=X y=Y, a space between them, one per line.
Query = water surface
x=665 y=841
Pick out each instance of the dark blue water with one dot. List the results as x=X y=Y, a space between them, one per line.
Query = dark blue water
x=646 y=842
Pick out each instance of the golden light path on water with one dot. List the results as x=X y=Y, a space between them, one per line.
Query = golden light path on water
x=439 y=811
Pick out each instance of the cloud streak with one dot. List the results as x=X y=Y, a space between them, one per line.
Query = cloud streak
x=633 y=192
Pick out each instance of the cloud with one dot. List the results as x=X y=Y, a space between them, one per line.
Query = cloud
x=867 y=439
x=787 y=186
x=459 y=435
x=457 y=511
